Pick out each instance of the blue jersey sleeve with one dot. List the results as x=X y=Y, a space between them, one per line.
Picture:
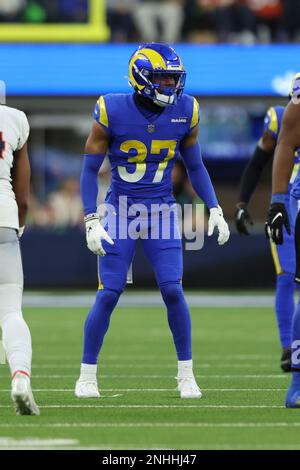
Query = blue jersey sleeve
x=100 y=114
x=195 y=119
x=272 y=121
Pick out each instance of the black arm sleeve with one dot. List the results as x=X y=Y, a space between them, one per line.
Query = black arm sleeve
x=252 y=173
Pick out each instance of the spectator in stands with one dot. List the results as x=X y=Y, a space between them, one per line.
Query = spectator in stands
x=40 y=11
x=269 y=19
x=159 y=20
x=235 y=21
x=291 y=19
x=119 y=19
x=65 y=204
x=11 y=10
x=55 y=11
x=199 y=23
x=40 y=215
x=75 y=11
x=221 y=20
x=185 y=196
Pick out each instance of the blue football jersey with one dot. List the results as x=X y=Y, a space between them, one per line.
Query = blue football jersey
x=272 y=124
x=142 y=150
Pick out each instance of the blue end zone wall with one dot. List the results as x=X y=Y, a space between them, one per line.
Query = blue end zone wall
x=245 y=262
x=86 y=70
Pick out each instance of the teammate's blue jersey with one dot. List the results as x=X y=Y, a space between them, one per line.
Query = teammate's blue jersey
x=143 y=149
x=273 y=120
x=295 y=192
x=272 y=124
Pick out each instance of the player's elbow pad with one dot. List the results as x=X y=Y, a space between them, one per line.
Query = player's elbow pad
x=198 y=175
x=89 y=181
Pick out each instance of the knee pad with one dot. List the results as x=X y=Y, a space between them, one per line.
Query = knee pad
x=11 y=315
x=107 y=298
x=286 y=280
x=10 y=301
x=171 y=292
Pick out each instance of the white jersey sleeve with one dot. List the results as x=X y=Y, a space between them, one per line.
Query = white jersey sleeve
x=14 y=131
x=24 y=130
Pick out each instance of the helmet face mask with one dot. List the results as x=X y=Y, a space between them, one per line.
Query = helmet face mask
x=156 y=72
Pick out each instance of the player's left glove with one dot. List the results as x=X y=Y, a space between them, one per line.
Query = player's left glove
x=216 y=220
x=277 y=218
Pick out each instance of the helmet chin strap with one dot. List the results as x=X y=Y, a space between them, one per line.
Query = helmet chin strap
x=163 y=100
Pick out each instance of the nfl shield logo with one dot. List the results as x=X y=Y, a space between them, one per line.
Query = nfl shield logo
x=151 y=128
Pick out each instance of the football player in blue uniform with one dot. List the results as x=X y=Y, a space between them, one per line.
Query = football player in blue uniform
x=284 y=255
x=142 y=134
x=278 y=217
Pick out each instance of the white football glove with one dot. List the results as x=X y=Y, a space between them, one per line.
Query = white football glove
x=216 y=219
x=21 y=231
x=95 y=233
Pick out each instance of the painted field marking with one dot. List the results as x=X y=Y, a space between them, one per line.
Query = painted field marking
x=71 y=390
x=150 y=300
x=167 y=377
x=153 y=366
x=153 y=425
x=241 y=357
x=159 y=406
x=36 y=442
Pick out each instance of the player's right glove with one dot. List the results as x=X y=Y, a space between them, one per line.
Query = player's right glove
x=95 y=233
x=242 y=219
x=21 y=231
x=277 y=218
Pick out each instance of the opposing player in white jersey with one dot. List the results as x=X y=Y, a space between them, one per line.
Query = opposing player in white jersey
x=14 y=195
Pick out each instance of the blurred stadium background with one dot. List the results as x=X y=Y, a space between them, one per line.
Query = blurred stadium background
x=58 y=56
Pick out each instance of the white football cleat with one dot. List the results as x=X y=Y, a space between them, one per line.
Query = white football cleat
x=22 y=396
x=85 y=389
x=188 y=387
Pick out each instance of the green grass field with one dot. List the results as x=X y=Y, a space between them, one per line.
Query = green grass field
x=236 y=359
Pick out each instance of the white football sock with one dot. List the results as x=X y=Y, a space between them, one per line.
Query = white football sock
x=88 y=372
x=185 y=369
x=17 y=343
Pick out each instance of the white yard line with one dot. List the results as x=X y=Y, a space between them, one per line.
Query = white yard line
x=159 y=406
x=153 y=425
x=71 y=390
x=142 y=300
x=125 y=357
x=155 y=366
x=167 y=377
x=195 y=445
x=36 y=442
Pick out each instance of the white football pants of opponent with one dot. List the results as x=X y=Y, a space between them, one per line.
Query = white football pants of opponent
x=15 y=333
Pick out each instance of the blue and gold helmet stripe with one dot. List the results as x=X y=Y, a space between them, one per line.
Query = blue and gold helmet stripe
x=132 y=79
x=156 y=60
